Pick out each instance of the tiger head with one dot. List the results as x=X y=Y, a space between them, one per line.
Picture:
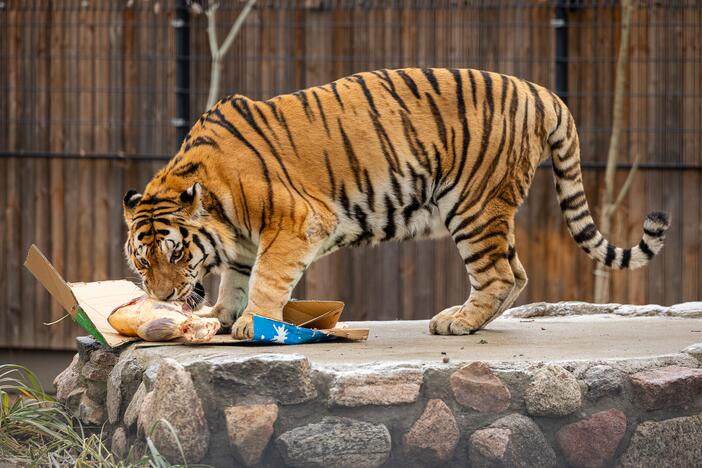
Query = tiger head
x=166 y=244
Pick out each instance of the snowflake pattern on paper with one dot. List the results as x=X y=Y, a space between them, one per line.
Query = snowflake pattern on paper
x=275 y=332
x=280 y=333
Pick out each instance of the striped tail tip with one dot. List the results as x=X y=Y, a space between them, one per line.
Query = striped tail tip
x=655 y=226
x=656 y=223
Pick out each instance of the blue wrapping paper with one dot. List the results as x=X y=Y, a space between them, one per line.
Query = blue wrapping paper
x=274 y=332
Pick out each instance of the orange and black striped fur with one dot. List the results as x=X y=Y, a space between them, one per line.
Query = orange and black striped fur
x=260 y=189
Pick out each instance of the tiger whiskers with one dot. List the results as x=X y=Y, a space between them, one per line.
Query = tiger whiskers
x=196 y=300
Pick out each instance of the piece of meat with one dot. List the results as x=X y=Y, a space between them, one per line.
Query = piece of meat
x=154 y=320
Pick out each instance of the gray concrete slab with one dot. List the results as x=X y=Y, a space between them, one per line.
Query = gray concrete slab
x=593 y=337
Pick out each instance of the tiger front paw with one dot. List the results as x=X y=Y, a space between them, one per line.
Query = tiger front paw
x=225 y=314
x=243 y=328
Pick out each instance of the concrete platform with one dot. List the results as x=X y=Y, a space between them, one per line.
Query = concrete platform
x=593 y=337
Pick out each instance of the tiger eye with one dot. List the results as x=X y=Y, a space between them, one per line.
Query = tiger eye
x=175 y=256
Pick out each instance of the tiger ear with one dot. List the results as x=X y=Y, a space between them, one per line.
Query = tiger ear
x=191 y=198
x=130 y=201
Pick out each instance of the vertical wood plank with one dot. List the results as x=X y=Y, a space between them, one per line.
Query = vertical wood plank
x=100 y=50
x=252 y=35
x=267 y=52
x=638 y=142
x=656 y=200
x=674 y=125
x=117 y=267
x=86 y=176
x=130 y=111
x=26 y=179
x=409 y=36
x=13 y=314
x=620 y=227
x=71 y=143
x=4 y=222
x=42 y=219
x=58 y=332
x=691 y=121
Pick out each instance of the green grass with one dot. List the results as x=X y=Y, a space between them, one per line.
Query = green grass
x=37 y=431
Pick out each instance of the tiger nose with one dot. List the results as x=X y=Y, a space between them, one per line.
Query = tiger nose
x=163 y=294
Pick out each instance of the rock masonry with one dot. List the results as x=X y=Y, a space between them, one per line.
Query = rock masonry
x=278 y=410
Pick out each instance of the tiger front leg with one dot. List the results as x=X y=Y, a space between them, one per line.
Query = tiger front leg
x=232 y=297
x=281 y=261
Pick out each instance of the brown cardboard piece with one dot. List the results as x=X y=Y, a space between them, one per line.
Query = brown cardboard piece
x=90 y=304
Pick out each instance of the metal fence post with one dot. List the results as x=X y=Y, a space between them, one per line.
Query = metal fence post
x=560 y=24
x=181 y=25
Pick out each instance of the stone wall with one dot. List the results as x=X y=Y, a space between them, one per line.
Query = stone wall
x=278 y=409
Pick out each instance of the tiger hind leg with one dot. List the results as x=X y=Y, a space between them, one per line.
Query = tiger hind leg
x=496 y=275
x=520 y=282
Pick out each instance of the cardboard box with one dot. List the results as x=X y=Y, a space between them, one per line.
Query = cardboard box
x=89 y=304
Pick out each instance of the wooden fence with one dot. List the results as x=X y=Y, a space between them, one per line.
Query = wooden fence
x=87 y=94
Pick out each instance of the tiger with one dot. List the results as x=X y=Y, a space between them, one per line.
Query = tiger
x=261 y=189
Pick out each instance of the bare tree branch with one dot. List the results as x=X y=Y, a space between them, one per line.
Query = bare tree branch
x=238 y=23
x=212 y=29
x=618 y=107
x=218 y=52
x=627 y=183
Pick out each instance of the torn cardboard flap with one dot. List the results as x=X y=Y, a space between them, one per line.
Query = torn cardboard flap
x=47 y=275
x=90 y=304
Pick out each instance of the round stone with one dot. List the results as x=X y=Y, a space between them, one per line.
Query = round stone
x=666 y=387
x=603 y=381
x=513 y=440
x=174 y=399
x=552 y=391
x=336 y=442
x=672 y=442
x=376 y=388
x=119 y=443
x=477 y=387
x=434 y=436
x=250 y=427
x=592 y=442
